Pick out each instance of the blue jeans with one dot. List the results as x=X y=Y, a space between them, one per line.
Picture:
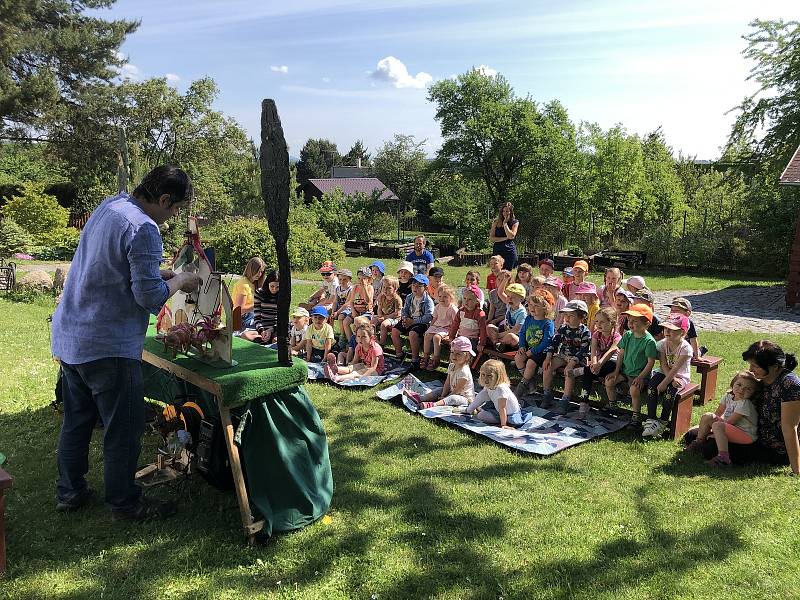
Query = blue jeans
x=110 y=389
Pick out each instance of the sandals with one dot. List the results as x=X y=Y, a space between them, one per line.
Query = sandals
x=719 y=461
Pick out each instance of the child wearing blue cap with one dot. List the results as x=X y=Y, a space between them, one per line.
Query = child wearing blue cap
x=319 y=335
x=415 y=318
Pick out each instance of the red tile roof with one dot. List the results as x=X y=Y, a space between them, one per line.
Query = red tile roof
x=351 y=185
x=791 y=174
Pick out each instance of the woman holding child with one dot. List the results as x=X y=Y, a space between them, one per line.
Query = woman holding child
x=502 y=233
x=778 y=410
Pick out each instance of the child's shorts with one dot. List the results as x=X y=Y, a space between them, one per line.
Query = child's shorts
x=392 y=322
x=538 y=358
x=436 y=329
x=317 y=355
x=456 y=400
x=419 y=328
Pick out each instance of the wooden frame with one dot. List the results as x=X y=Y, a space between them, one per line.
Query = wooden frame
x=249 y=524
x=5 y=483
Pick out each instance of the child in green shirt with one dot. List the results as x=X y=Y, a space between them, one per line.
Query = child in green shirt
x=636 y=358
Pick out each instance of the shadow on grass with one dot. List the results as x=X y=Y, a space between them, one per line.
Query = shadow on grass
x=397 y=530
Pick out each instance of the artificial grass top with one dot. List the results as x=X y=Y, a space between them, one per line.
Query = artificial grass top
x=256 y=374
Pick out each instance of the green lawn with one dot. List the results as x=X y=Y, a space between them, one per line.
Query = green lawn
x=420 y=510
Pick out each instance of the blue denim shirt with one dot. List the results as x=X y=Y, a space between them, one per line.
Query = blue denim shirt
x=426 y=307
x=113 y=285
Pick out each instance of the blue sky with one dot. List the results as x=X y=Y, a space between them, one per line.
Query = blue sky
x=359 y=69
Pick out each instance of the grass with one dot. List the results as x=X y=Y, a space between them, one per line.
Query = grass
x=420 y=510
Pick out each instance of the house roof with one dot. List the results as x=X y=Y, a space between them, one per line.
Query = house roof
x=352 y=185
x=791 y=174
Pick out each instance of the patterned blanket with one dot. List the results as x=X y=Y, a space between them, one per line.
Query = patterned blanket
x=546 y=433
x=394 y=369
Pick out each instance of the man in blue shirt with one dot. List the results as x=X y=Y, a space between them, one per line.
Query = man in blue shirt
x=114 y=284
x=419 y=257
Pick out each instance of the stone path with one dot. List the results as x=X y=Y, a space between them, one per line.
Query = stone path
x=757 y=309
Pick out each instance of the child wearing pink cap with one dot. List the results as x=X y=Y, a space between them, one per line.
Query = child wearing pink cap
x=672 y=374
x=587 y=291
x=458 y=389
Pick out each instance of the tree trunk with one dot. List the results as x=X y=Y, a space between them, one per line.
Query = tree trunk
x=275 y=191
x=122 y=161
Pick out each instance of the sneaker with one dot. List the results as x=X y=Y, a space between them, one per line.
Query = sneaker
x=563 y=405
x=653 y=428
x=719 y=461
x=401 y=356
x=547 y=399
x=583 y=410
x=522 y=389
x=77 y=502
x=146 y=509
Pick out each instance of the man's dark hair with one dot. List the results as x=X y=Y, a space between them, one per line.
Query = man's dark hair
x=165 y=179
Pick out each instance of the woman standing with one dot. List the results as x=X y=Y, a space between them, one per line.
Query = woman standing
x=502 y=234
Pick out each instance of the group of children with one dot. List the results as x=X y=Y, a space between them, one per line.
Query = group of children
x=553 y=324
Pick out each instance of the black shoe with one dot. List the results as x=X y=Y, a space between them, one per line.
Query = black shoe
x=77 y=502
x=145 y=510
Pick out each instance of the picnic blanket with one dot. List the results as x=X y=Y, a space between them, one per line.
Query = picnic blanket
x=546 y=433
x=394 y=368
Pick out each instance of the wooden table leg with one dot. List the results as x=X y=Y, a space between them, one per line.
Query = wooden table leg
x=250 y=528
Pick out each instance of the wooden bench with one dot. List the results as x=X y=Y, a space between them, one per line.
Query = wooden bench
x=5 y=483
x=708 y=368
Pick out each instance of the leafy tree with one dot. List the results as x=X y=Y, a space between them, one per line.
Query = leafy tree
x=459 y=204
x=316 y=159
x=35 y=211
x=358 y=151
x=489 y=133
x=401 y=165
x=50 y=51
x=774 y=47
x=13 y=238
x=29 y=162
x=359 y=216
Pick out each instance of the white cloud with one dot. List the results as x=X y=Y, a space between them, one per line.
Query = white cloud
x=488 y=71
x=127 y=70
x=326 y=80
x=395 y=72
x=172 y=78
x=279 y=69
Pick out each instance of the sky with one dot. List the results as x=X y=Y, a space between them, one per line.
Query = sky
x=356 y=69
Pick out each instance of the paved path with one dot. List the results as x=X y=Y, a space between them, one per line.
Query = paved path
x=758 y=309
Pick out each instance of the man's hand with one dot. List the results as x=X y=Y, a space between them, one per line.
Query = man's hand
x=190 y=282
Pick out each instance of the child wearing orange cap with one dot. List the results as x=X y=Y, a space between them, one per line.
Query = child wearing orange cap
x=579 y=272
x=635 y=360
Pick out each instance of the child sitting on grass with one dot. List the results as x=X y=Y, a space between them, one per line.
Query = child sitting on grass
x=389 y=306
x=735 y=420
x=635 y=360
x=319 y=335
x=435 y=276
x=415 y=317
x=675 y=356
x=534 y=340
x=244 y=290
x=496 y=403
x=326 y=293
x=367 y=359
x=345 y=356
x=507 y=333
x=297 y=333
x=603 y=353
x=458 y=389
x=444 y=313
x=470 y=320
x=568 y=350
x=496 y=263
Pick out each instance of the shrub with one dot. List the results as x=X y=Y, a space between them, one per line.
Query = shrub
x=236 y=241
x=13 y=238
x=59 y=244
x=35 y=211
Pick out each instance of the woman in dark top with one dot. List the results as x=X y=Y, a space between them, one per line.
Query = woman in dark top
x=778 y=409
x=502 y=234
